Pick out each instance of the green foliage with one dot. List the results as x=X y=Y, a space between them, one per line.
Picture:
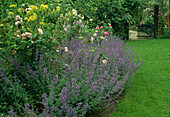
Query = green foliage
x=148 y=15
x=120 y=13
x=165 y=34
x=22 y=83
x=28 y=27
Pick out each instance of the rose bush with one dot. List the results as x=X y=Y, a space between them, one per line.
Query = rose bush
x=39 y=26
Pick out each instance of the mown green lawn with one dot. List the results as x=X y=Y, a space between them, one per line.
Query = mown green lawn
x=149 y=93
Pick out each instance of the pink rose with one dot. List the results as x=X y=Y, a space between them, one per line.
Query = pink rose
x=23 y=34
x=96 y=28
x=101 y=27
x=40 y=31
x=106 y=33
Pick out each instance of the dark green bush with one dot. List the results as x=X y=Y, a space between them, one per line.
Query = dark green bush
x=119 y=13
x=164 y=35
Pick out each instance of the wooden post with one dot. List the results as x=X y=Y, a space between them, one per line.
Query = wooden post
x=156 y=9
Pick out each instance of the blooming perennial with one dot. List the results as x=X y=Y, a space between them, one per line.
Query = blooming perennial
x=40 y=31
x=104 y=62
x=33 y=7
x=58 y=8
x=10 y=13
x=32 y=17
x=13 y=5
x=43 y=7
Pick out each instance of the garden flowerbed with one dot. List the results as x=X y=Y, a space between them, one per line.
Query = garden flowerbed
x=53 y=65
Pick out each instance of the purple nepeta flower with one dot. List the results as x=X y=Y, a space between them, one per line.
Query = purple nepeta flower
x=11 y=112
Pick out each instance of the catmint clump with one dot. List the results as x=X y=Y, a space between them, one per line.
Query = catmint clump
x=79 y=78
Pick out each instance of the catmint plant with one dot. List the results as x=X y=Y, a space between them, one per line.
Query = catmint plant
x=79 y=78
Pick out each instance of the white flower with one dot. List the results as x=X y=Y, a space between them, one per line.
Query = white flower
x=18 y=31
x=109 y=24
x=40 y=31
x=65 y=29
x=91 y=20
x=21 y=20
x=28 y=34
x=32 y=41
x=57 y=50
x=28 y=9
x=23 y=37
x=23 y=34
x=101 y=37
x=18 y=36
x=18 y=22
x=66 y=49
x=104 y=61
x=94 y=34
x=61 y=15
x=80 y=20
x=74 y=12
x=91 y=39
x=17 y=17
x=79 y=15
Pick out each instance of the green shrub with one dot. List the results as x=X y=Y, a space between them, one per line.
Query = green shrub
x=120 y=13
x=165 y=34
x=28 y=27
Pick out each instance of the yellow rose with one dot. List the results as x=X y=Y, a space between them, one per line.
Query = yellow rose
x=19 y=10
x=46 y=6
x=43 y=7
x=33 y=7
x=53 y=10
x=26 y=18
x=28 y=12
x=69 y=13
x=58 y=8
x=13 y=5
x=10 y=13
x=33 y=17
x=41 y=23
